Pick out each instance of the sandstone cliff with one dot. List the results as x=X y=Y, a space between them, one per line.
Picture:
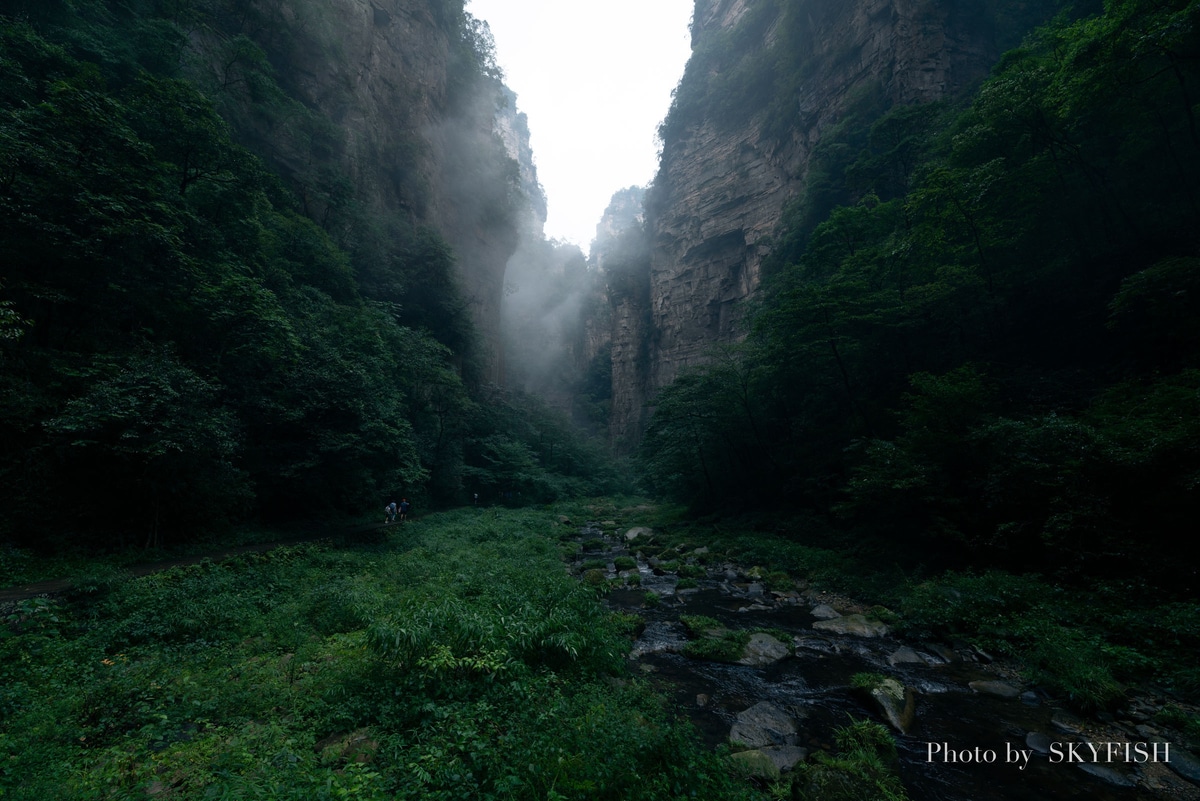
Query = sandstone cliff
x=767 y=80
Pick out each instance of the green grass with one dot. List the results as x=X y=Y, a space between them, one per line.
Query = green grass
x=460 y=660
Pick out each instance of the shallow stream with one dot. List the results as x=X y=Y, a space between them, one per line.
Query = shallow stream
x=813 y=685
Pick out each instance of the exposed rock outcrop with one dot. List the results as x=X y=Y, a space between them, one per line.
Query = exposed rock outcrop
x=725 y=177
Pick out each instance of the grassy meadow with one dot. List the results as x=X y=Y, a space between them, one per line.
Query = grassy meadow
x=458 y=659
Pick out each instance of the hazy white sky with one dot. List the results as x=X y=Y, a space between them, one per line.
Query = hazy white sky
x=595 y=80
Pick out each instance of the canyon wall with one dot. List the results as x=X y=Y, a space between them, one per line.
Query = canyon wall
x=766 y=81
x=404 y=115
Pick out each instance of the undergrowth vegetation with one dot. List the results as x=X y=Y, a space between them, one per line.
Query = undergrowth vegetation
x=458 y=660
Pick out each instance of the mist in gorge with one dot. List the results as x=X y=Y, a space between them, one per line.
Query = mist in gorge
x=853 y=457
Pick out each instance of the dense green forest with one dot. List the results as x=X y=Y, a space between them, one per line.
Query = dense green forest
x=968 y=402
x=192 y=337
x=978 y=334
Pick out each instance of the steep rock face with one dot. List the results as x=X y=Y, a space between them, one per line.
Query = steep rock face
x=415 y=130
x=619 y=255
x=723 y=184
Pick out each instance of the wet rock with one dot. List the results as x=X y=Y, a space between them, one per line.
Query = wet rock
x=1065 y=721
x=857 y=625
x=897 y=704
x=702 y=700
x=825 y=612
x=944 y=652
x=730 y=575
x=927 y=687
x=1105 y=773
x=755 y=590
x=763 y=724
x=658 y=638
x=785 y=757
x=754 y=608
x=1000 y=689
x=1038 y=742
x=639 y=531
x=1030 y=698
x=756 y=764
x=1148 y=731
x=905 y=656
x=982 y=655
x=763 y=649
x=1184 y=763
x=818 y=644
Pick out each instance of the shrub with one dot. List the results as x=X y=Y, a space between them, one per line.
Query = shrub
x=862 y=770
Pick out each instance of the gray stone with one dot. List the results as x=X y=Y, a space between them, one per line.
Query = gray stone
x=754 y=590
x=946 y=653
x=785 y=757
x=754 y=608
x=634 y=533
x=1105 y=773
x=1065 y=721
x=730 y=574
x=700 y=551
x=756 y=764
x=857 y=625
x=1183 y=762
x=1148 y=731
x=905 y=656
x=1030 y=698
x=1000 y=689
x=818 y=644
x=1038 y=742
x=763 y=649
x=825 y=612
x=897 y=704
x=762 y=725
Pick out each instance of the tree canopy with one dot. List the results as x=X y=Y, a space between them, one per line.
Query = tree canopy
x=988 y=344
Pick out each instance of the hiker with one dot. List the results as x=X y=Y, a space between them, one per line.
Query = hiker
x=391 y=513
x=403 y=509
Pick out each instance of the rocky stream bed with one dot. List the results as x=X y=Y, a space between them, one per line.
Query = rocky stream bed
x=966 y=726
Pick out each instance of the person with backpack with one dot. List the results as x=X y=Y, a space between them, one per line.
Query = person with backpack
x=390 y=509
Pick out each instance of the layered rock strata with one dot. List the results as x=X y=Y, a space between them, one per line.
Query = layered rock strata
x=722 y=187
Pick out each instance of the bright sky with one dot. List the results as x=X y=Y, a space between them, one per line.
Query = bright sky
x=595 y=79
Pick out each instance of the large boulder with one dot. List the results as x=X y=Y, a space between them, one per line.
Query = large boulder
x=636 y=532
x=897 y=704
x=762 y=725
x=825 y=612
x=1183 y=762
x=756 y=764
x=763 y=649
x=770 y=761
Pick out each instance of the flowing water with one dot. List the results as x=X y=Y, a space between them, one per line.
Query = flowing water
x=813 y=685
